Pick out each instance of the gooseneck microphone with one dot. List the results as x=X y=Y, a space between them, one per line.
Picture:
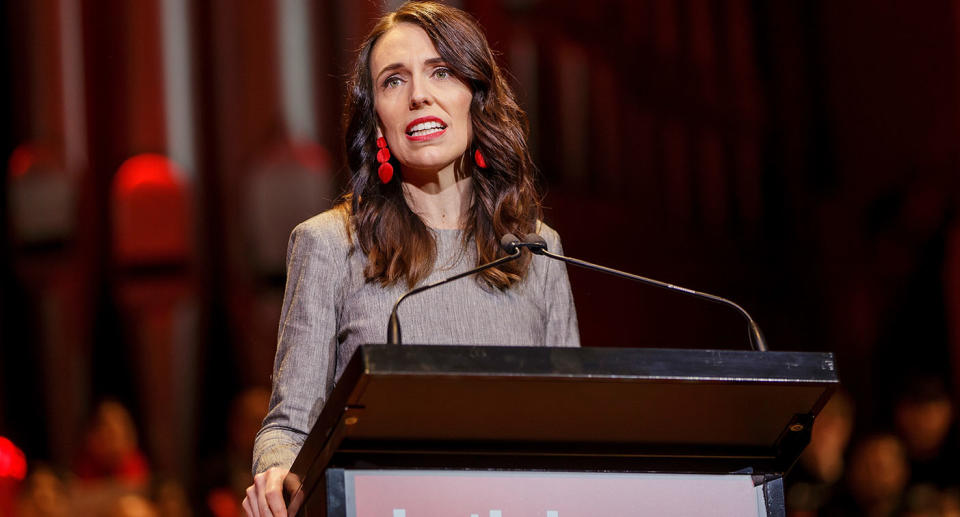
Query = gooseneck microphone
x=509 y=243
x=536 y=244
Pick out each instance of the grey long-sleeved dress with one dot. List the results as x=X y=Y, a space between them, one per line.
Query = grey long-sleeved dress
x=329 y=310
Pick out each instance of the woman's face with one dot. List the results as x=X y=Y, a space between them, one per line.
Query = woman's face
x=423 y=109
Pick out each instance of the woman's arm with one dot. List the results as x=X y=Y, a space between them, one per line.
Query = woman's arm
x=303 y=371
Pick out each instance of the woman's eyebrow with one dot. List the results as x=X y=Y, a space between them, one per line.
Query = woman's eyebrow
x=389 y=68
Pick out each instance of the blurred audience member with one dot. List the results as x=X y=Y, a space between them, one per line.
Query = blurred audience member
x=132 y=505
x=950 y=502
x=925 y=500
x=221 y=502
x=813 y=481
x=227 y=476
x=876 y=478
x=44 y=495
x=110 y=451
x=923 y=417
x=823 y=458
x=171 y=498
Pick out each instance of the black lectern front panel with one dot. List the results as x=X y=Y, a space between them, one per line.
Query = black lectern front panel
x=595 y=410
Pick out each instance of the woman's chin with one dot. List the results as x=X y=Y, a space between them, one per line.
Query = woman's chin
x=427 y=169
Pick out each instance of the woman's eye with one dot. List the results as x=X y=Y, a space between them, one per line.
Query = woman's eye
x=442 y=73
x=392 y=82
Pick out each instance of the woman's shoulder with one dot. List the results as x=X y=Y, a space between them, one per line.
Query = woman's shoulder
x=328 y=230
x=549 y=234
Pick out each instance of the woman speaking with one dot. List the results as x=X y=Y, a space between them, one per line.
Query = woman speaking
x=436 y=145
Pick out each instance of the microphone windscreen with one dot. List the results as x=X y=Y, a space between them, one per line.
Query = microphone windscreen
x=508 y=243
x=535 y=242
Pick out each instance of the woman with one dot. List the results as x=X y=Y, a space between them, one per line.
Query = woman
x=441 y=170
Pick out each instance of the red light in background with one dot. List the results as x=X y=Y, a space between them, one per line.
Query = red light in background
x=147 y=170
x=25 y=157
x=222 y=503
x=311 y=156
x=22 y=158
x=307 y=154
x=151 y=211
x=13 y=462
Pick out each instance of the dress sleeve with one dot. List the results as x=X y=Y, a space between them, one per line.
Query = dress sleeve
x=304 y=367
x=561 y=314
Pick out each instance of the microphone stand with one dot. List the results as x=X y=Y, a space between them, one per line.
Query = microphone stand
x=393 y=327
x=536 y=244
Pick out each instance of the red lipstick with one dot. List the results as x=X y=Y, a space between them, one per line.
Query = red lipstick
x=436 y=131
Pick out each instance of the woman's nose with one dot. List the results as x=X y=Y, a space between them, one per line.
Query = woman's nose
x=419 y=96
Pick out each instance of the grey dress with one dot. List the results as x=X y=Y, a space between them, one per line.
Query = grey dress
x=329 y=310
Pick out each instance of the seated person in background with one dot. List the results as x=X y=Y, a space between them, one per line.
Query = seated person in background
x=876 y=478
x=44 y=494
x=923 y=417
x=816 y=476
x=110 y=451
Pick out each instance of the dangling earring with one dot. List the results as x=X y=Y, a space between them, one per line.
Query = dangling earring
x=383 y=158
x=478 y=158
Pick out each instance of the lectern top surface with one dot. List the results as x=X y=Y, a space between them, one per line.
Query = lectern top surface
x=613 y=363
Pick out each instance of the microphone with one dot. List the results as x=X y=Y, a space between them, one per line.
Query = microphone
x=536 y=244
x=509 y=243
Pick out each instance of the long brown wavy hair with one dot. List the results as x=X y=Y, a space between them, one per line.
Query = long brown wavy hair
x=397 y=243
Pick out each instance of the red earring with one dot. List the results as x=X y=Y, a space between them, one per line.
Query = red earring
x=383 y=158
x=478 y=157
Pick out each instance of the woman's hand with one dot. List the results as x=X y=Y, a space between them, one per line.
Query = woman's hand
x=265 y=495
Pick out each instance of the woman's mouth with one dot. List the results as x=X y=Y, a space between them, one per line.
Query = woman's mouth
x=425 y=128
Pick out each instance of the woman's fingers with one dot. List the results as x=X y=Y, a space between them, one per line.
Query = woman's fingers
x=250 y=502
x=274 y=494
x=260 y=482
x=265 y=495
x=277 y=506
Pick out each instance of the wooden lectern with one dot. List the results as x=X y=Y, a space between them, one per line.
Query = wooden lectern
x=413 y=431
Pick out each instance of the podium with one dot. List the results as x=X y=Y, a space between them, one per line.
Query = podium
x=501 y=431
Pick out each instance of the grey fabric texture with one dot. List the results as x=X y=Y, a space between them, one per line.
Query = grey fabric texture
x=329 y=310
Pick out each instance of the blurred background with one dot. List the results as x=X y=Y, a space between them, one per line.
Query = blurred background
x=800 y=158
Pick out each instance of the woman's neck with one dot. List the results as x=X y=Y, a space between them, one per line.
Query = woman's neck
x=442 y=200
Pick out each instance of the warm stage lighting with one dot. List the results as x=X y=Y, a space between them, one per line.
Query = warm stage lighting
x=21 y=160
x=150 y=211
x=145 y=171
x=13 y=463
